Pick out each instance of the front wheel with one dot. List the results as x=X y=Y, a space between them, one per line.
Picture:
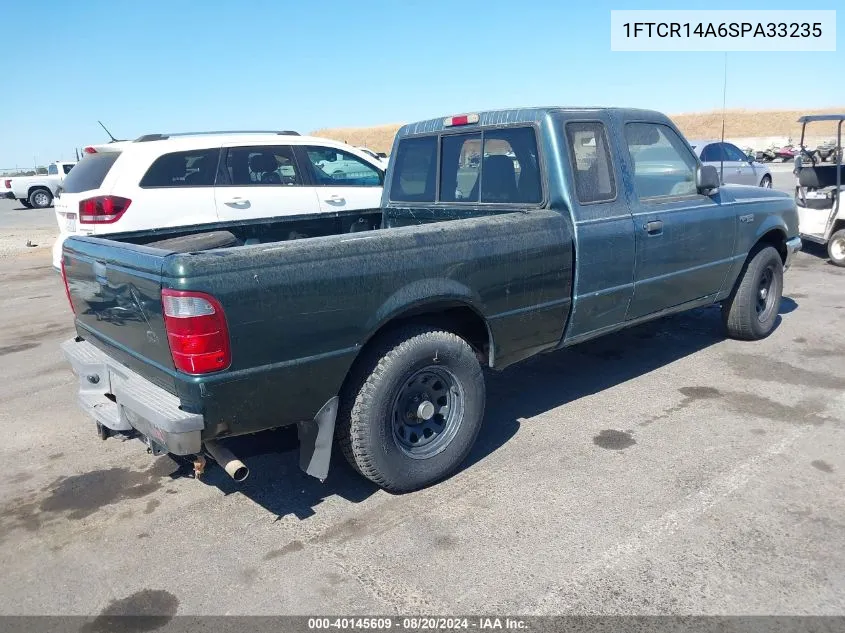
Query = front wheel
x=836 y=248
x=413 y=409
x=752 y=308
x=766 y=182
x=41 y=198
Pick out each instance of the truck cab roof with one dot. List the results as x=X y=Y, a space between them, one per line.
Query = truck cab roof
x=509 y=116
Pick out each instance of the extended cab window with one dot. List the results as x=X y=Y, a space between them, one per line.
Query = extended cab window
x=415 y=170
x=262 y=165
x=591 y=165
x=663 y=163
x=67 y=168
x=334 y=167
x=195 y=168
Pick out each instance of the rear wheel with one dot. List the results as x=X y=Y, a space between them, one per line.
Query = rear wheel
x=836 y=248
x=752 y=309
x=41 y=198
x=25 y=202
x=413 y=409
x=766 y=182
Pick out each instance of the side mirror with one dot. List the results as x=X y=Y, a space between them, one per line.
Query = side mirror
x=706 y=179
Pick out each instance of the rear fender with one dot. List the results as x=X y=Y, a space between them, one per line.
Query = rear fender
x=416 y=297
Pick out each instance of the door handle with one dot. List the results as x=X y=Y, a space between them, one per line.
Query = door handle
x=237 y=202
x=336 y=199
x=654 y=227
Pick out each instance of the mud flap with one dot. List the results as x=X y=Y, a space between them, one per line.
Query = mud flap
x=315 y=441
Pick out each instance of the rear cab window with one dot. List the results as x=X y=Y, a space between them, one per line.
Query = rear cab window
x=90 y=172
x=487 y=166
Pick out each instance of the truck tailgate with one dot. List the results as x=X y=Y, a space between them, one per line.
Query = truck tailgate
x=115 y=289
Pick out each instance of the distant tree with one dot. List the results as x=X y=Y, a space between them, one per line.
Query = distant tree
x=40 y=171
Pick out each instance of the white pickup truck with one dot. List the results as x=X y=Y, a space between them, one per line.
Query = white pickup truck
x=38 y=191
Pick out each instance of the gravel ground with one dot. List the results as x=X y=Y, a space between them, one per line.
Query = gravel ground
x=19 y=225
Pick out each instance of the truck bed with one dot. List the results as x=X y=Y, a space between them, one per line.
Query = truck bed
x=303 y=294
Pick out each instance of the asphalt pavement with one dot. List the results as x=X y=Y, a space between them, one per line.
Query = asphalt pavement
x=664 y=469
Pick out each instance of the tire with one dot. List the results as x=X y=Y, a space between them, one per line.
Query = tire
x=40 y=198
x=766 y=182
x=412 y=408
x=25 y=202
x=750 y=312
x=836 y=248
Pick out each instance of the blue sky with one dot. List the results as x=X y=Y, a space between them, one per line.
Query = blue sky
x=156 y=66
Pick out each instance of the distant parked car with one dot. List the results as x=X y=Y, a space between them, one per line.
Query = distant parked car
x=38 y=191
x=164 y=180
x=739 y=168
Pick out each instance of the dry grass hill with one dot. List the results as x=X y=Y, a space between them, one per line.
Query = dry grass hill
x=738 y=123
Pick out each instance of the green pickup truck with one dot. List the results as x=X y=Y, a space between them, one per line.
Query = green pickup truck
x=370 y=329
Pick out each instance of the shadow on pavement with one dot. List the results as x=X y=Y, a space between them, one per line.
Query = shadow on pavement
x=526 y=390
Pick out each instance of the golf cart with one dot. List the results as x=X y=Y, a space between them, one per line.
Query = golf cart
x=818 y=190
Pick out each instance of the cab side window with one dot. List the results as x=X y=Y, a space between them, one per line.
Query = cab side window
x=591 y=163
x=664 y=166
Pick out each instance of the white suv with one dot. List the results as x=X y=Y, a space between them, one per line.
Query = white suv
x=162 y=180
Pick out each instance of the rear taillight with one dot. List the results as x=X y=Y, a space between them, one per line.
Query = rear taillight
x=8 y=184
x=67 y=288
x=197 y=331
x=102 y=209
x=90 y=150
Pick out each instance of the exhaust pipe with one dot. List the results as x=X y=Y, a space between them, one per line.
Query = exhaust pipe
x=234 y=467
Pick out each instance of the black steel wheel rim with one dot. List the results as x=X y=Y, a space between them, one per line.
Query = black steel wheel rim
x=427 y=412
x=765 y=293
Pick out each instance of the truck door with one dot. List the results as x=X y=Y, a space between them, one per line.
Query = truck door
x=685 y=240
x=604 y=228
